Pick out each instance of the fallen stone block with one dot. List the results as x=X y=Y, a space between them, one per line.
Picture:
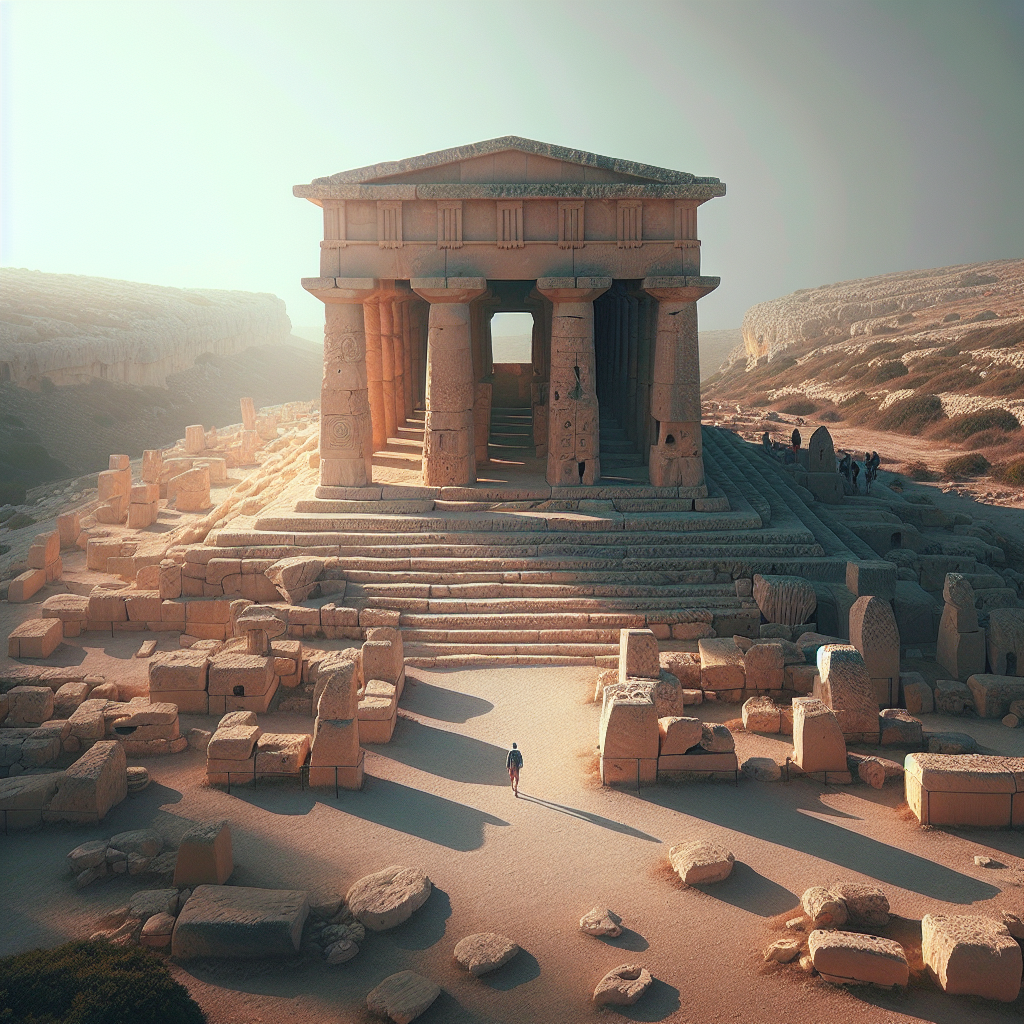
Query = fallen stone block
x=622 y=986
x=91 y=786
x=852 y=958
x=701 y=861
x=484 y=952
x=825 y=907
x=386 y=898
x=601 y=921
x=402 y=997
x=971 y=955
x=204 y=855
x=35 y=638
x=240 y=922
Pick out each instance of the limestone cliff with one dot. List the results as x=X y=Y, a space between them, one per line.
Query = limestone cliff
x=874 y=305
x=71 y=329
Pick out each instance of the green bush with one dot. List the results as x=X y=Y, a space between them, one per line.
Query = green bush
x=20 y=521
x=801 y=407
x=962 y=427
x=959 y=466
x=92 y=983
x=911 y=415
x=1011 y=472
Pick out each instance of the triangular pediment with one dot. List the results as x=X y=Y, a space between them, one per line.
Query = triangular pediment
x=511 y=160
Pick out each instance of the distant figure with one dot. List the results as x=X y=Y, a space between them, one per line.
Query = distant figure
x=513 y=763
x=855 y=470
x=844 y=465
x=766 y=441
x=871 y=464
x=796 y=439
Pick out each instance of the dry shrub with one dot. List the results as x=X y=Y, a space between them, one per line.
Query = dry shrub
x=801 y=407
x=889 y=370
x=960 y=428
x=918 y=471
x=1011 y=473
x=965 y=466
x=911 y=415
x=831 y=416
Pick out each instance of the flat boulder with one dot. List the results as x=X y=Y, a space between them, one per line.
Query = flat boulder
x=622 y=986
x=761 y=769
x=402 y=997
x=867 y=906
x=601 y=921
x=240 y=922
x=92 y=785
x=971 y=955
x=824 y=907
x=144 y=841
x=852 y=958
x=295 y=578
x=701 y=861
x=484 y=952
x=389 y=897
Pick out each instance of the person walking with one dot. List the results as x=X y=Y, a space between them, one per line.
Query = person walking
x=855 y=470
x=514 y=762
x=796 y=439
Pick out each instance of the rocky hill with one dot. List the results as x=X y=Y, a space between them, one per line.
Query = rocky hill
x=90 y=366
x=70 y=329
x=932 y=353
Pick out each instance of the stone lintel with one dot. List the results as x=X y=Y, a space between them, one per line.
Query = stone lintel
x=700 y=193
x=342 y=289
x=449 y=289
x=679 y=289
x=572 y=289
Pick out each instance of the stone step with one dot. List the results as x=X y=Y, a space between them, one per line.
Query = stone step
x=398 y=460
x=532 y=605
x=407 y=446
x=495 y=660
x=449 y=580
x=581 y=635
x=505 y=650
x=680 y=591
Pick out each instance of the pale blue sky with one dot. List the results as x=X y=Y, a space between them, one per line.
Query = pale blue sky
x=159 y=141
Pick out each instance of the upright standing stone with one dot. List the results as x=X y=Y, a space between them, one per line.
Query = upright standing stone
x=818 y=744
x=676 y=457
x=873 y=631
x=574 y=442
x=152 y=465
x=195 y=439
x=961 y=645
x=449 y=453
x=248 y=414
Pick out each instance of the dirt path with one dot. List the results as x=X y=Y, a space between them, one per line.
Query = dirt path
x=437 y=797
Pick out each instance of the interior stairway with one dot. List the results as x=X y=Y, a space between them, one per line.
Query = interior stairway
x=619 y=455
x=511 y=434
x=549 y=575
x=405 y=450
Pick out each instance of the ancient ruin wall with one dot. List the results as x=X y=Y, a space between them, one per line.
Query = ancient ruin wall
x=70 y=329
x=872 y=305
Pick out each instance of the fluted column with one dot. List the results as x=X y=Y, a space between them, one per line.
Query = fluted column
x=573 y=418
x=448 y=451
x=676 y=457
x=346 y=434
x=387 y=362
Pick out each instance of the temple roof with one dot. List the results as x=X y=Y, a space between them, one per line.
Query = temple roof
x=510 y=167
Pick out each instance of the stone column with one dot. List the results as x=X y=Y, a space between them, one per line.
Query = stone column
x=449 y=457
x=346 y=434
x=676 y=456
x=409 y=366
x=375 y=373
x=387 y=354
x=573 y=420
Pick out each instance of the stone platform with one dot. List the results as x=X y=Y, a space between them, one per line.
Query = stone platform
x=523 y=571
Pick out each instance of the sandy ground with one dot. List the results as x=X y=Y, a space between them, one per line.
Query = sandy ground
x=438 y=798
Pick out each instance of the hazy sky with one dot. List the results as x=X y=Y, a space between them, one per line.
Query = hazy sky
x=158 y=141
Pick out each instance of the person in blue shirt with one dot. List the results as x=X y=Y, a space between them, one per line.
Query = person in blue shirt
x=513 y=763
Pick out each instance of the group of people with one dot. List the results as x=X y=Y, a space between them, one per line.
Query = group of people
x=848 y=466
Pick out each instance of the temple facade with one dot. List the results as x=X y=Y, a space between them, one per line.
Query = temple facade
x=417 y=256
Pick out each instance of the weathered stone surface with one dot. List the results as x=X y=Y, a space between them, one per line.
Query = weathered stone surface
x=761 y=769
x=951 y=743
x=389 y=897
x=701 y=861
x=601 y=921
x=993 y=694
x=146 y=842
x=721 y=664
x=716 y=739
x=338 y=684
x=622 y=986
x=899 y=728
x=92 y=785
x=278 y=753
x=825 y=907
x=28 y=705
x=240 y=922
x=762 y=714
x=204 y=855
x=677 y=735
x=782 y=951
x=953 y=697
x=867 y=906
x=629 y=721
x=233 y=742
x=156 y=932
x=1006 y=641
x=818 y=743
x=178 y=670
x=684 y=666
x=484 y=952
x=88 y=855
x=917 y=694
x=873 y=631
x=764 y=666
x=847 y=689
x=971 y=955
x=402 y=996
x=852 y=958
x=638 y=655
x=790 y=600
x=295 y=578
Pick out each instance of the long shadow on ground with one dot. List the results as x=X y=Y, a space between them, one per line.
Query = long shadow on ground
x=776 y=817
x=594 y=819
x=449 y=755
x=444 y=705
x=386 y=803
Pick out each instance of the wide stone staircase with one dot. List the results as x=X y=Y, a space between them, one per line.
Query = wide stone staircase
x=535 y=574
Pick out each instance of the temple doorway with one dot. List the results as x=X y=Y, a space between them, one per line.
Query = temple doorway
x=511 y=436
